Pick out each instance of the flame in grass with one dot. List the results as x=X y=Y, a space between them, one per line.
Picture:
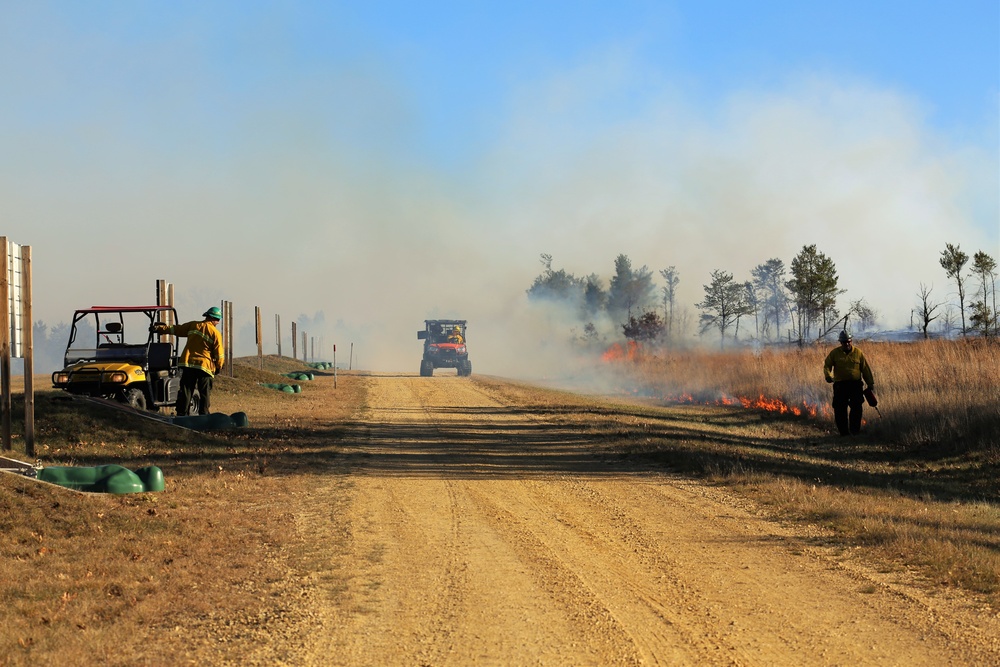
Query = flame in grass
x=761 y=402
x=779 y=406
x=619 y=353
x=632 y=350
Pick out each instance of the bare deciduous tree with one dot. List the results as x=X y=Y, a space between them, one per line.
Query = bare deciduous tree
x=669 y=297
x=769 y=280
x=926 y=308
x=865 y=315
x=721 y=305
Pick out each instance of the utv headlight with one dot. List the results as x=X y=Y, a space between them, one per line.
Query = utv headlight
x=60 y=378
x=115 y=378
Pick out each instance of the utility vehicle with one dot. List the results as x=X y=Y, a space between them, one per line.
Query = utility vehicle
x=439 y=351
x=112 y=354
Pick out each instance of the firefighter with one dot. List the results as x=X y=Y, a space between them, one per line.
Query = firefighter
x=202 y=358
x=847 y=368
x=456 y=336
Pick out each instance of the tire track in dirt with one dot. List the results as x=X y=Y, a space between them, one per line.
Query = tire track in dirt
x=610 y=569
x=742 y=595
x=461 y=537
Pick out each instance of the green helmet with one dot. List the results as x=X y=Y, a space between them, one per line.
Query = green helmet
x=213 y=313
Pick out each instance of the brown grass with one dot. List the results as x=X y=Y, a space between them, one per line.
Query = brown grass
x=940 y=397
x=188 y=576
x=953 y=544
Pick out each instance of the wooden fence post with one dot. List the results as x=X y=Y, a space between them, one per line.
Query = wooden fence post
x=259 y=335
x=29 y=352
x=5 y=403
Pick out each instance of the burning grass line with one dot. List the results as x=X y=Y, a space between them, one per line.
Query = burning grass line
x=937 y=397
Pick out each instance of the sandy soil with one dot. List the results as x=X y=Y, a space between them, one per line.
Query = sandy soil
x=462 y=530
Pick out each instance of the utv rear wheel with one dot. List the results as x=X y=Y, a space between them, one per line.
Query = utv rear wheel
x=134 y=398
x=194 y=406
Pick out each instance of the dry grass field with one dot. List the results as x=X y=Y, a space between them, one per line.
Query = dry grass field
x=936 y=398
x=188 y=576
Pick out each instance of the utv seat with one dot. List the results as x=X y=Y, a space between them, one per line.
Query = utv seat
x=159 y=358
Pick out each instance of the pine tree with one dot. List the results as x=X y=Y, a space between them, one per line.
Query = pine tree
x=814 y=289
x=953 y=260
x=631 y=290
x=984 y=316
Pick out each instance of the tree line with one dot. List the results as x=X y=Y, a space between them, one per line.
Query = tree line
x=797 y=303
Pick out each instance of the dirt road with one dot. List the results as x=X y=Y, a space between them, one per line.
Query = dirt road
x=465 y=529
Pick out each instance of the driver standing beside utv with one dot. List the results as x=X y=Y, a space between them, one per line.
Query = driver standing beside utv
x=201 y=359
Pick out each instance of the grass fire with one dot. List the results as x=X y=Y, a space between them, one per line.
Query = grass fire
x=933 y=395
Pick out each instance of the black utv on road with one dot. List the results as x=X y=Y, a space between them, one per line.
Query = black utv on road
x=444 y=347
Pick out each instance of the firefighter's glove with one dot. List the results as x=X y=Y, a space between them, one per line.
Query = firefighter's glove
x=158 y=328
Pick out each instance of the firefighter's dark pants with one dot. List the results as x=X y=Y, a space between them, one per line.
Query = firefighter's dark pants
x=192 y=379
x=847 y=401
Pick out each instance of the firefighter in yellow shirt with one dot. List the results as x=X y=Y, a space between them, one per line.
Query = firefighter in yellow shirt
x=456 y=336
x=847 y=368
x=202 y=358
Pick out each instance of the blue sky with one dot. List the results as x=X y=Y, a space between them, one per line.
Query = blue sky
x=347 y=158
x=462 y=61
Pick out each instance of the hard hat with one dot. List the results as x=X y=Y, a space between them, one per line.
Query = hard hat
x=213 y=313
x=844 y=337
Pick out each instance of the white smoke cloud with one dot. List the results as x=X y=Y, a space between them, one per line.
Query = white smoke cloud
x=854 y=170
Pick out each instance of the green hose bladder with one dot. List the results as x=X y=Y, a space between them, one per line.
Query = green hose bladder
x=280 y=386
x=216 y=421
x=105 y=479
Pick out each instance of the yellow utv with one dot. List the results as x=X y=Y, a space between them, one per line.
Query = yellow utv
x=112 y=354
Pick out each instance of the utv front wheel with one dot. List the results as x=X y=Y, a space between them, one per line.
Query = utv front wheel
x=426 y=368
x=134 y=398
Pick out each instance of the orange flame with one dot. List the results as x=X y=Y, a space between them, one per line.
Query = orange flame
x=618 y=353
x=779 y=406
x=763 y=403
